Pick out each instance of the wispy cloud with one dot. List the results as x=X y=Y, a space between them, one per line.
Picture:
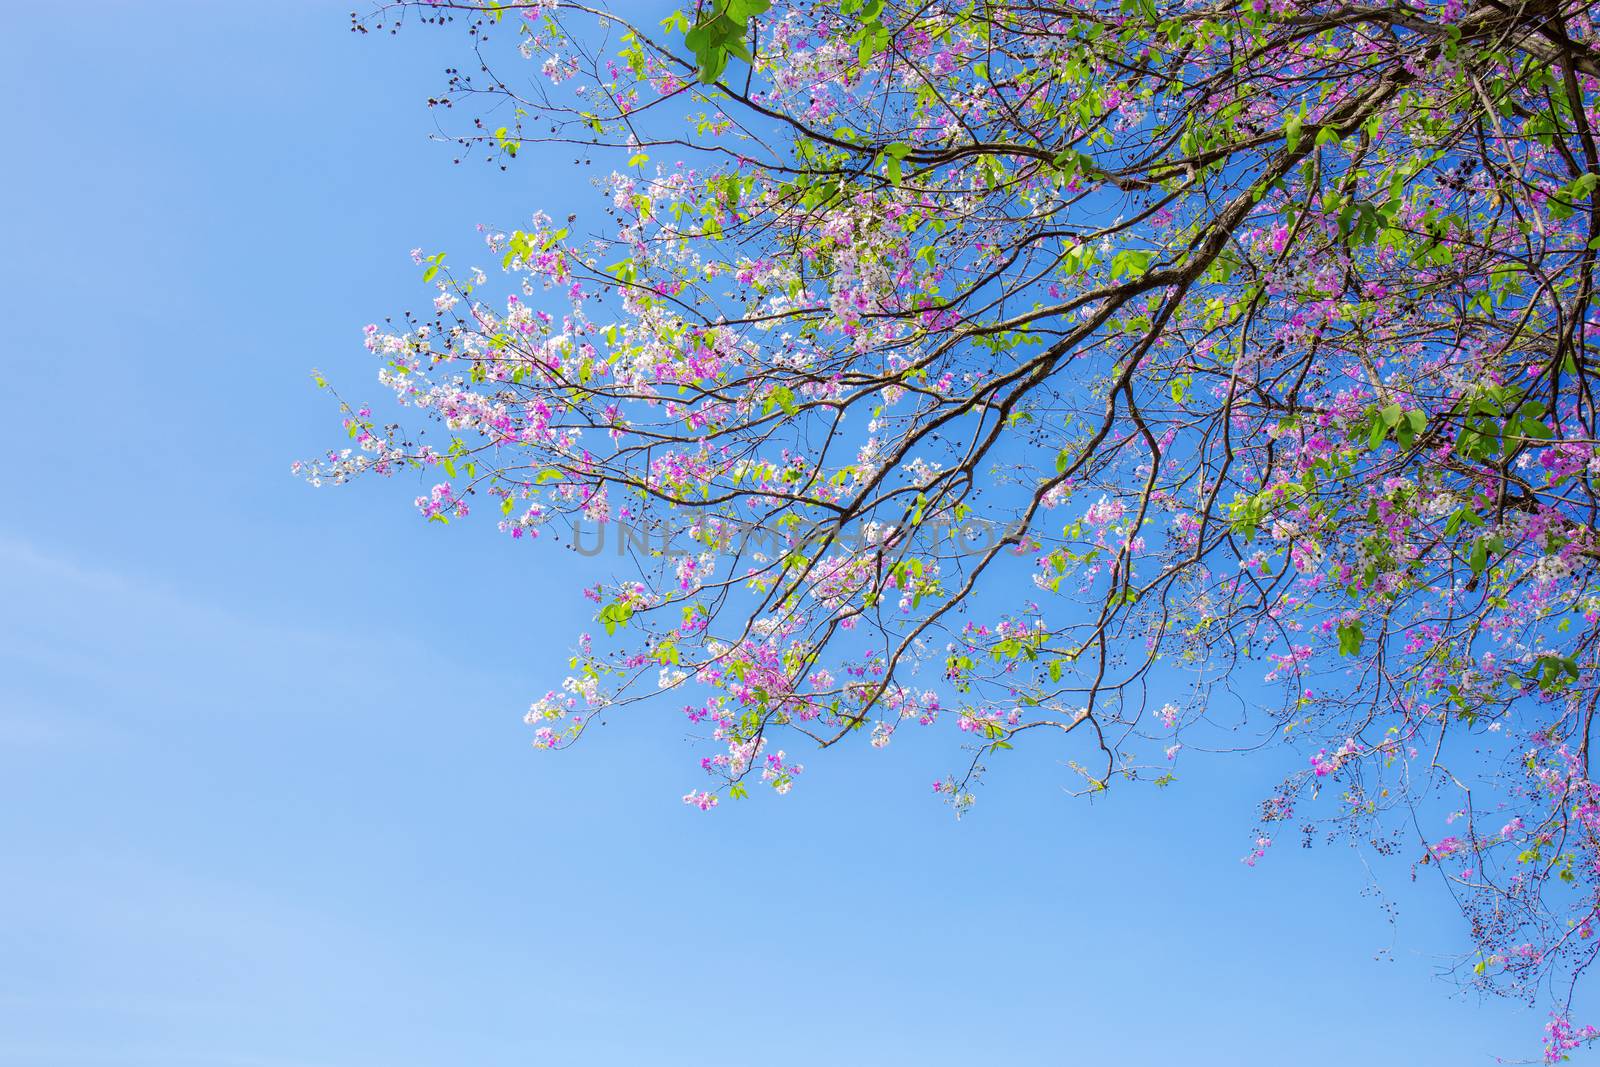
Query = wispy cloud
x=84 y=634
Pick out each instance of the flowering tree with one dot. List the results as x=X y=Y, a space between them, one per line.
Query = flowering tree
x=1051 y=371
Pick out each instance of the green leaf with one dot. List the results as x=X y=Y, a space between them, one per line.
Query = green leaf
x=615 y=615
x=782 y=397
x=1379 y=432
x=1131 y=262
x=1291 y=130
x=1350 y=638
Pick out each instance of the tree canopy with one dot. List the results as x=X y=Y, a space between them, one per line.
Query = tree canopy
x=1114 y=376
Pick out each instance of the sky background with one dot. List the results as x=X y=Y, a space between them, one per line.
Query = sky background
x=266 y=799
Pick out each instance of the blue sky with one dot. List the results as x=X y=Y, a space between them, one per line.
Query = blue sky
x=265 y=795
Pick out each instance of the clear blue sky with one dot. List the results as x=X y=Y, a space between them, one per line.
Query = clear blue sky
x=265 y=795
